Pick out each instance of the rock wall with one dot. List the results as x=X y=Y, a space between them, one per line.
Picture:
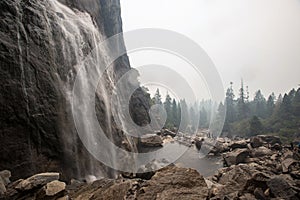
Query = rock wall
x=41 y=43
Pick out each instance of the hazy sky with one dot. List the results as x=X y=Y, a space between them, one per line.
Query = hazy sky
x=257 y=40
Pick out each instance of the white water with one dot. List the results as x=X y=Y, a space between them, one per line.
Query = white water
x=80 y=33
x=19 y=29
x=73 y=36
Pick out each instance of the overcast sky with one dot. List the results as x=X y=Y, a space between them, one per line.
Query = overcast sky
x=257 y=40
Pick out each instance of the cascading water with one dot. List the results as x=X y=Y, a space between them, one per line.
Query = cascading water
x=43 y=46
x=80 y=47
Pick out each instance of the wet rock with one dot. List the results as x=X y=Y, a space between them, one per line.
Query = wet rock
x=39 y=61
x=37 y=181
x=220 y=147
x=2 y=189
x=151 y=141
x=4 y=177
x=167 y=132
x=199 y=143
x=4 y=180
x=235 y=157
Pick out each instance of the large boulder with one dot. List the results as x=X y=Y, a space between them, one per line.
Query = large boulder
x=167 y=132
x=103 y=189
x=239 y=144
x=256 y=142
x=235 y=157
x=151 y=140
x=232 y=180
x=4 y=180
x=37 y=181
x=52 y=190
x=260 y=140
x=280 y=188
x=168 y=183
x=175 y=183
x=261 y=151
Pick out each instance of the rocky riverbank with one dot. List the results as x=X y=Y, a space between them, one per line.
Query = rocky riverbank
x=257 y=168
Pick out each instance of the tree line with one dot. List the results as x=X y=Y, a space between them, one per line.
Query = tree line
x=272 y=115
x=243 y=116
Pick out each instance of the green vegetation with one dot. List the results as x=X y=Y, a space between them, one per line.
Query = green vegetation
x=246 y=118
x=276 y=116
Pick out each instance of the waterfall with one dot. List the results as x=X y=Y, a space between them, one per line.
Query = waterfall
x=20 y=48
x=80 y=47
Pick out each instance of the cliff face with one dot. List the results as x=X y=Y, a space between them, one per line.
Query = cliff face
x=41 y=45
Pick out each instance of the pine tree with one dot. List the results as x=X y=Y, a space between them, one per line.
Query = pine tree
x=175 y=113
x=193 y=119
x=184 y=112
x=296 y=103
x=203 y=119
x=260 y=105
x=241 y=106
x=270 y=105
x=256 y=127
x=178 y=114
x=157 y=97
x=229 y=102
x=285 y=107
x=168 y=108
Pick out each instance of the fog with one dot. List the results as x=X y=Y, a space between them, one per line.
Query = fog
x=257 y=40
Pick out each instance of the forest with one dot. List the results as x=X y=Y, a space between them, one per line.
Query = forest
x=244 y=117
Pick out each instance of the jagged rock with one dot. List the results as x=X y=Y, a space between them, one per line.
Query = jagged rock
x=259 y=194
x=270 y=139
x=2 y=189
x=257 y=184
x=286 y=164
x=40 y=61
x=295 y=174
x=151 y=141
x=103 y=189
x=220 y=147
x=4 y=177
x=239 y=144
x=168 y=132
x=52 y=190
x=174 y=183
x=4 y=180
x=276 y=147
x=37 y=180
x=256 y=142
x=54 y=187
x=235 y=157
x=280 y=188
x=260 y=152
x=247 y=196
x=260 y=140
x=238 y=174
